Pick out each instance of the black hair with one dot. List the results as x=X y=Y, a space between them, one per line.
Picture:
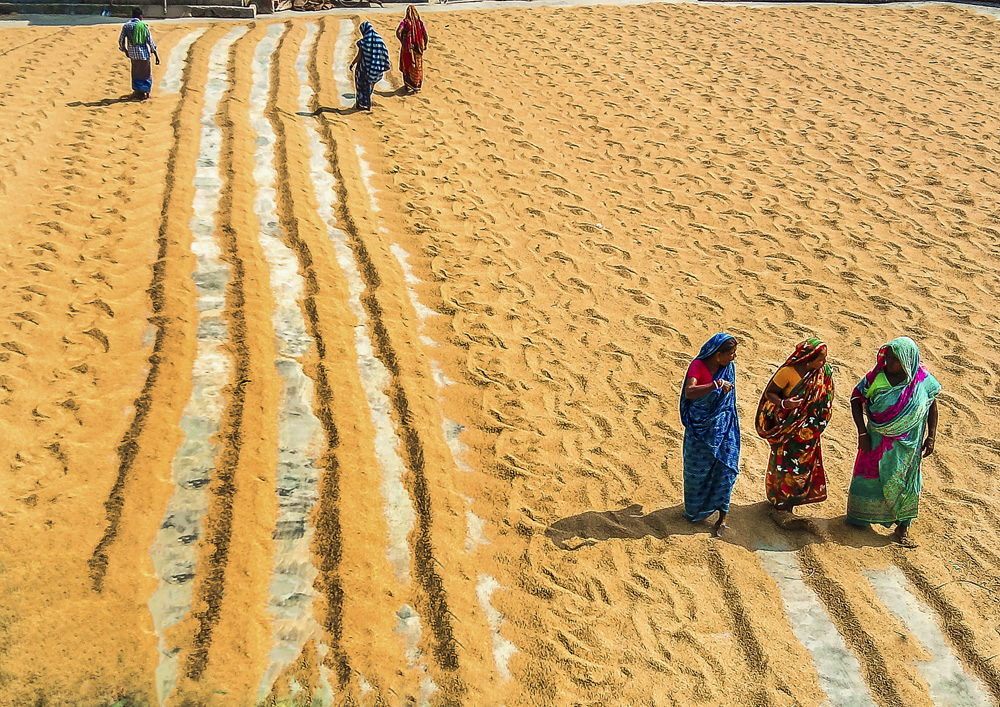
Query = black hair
x=728 y=345
x=136 y=13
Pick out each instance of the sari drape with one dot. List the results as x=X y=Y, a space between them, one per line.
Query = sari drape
x=795 y=473
x=413 y=43
x=887 y=481
x=374 y=62
x=711 y=443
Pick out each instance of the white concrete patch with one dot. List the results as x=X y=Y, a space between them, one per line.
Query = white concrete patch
x=175 y=549
x=171 y=81
x=502 y=648
x=300 y=435
x=341 y=59
x=838 y=669
x=411 y=278
x=475 y=534
x=409 y=628
x=366 y=177
x=947 y=681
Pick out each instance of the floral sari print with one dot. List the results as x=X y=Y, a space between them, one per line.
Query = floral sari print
x=795 y=473
x=887 y=480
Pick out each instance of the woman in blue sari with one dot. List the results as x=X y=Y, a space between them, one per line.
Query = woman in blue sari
x=899 y=398
x=372 y=60
x=711 y=431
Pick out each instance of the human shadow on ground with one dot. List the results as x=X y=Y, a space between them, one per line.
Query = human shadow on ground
x=401 y=91
x=104 y=102
x=350 y=110
x=752 y=526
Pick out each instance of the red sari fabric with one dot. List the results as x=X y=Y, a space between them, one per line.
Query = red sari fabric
x=413 y=43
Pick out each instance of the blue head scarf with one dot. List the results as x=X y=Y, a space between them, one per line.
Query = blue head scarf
x=374 y=54
x=713 y=419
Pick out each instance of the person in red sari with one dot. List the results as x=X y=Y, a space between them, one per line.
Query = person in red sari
x=412 y=36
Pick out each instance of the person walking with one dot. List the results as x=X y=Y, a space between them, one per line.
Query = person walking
x=136 y=42
x=371 y=61
x=412 y=36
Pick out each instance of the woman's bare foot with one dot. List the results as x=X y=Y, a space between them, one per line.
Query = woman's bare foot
x=785 y=518
x=720 y=526
x=902 y=536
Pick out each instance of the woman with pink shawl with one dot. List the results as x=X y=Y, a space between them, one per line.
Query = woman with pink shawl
x=899 y=398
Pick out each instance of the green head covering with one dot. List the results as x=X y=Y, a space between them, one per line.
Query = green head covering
x=908 y=354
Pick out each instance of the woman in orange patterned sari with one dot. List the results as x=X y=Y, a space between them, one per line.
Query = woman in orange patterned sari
x=412 y=36
x=793 y=412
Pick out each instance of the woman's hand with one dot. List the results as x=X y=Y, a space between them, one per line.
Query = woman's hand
x=928 y=447
x=726 y=386
x=791 y=403
x=864 y=443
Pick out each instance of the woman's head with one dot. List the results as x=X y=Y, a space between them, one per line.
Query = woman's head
x=720 y=349
x=811 y=353
x=817 y=361
x=726 y=353
x=901 y=357
x=893 y=365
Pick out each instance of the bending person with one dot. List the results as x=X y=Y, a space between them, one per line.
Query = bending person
x=898 y=397
x=793 y=412
x=371 y=61
x=412 y=36
x=711 y=431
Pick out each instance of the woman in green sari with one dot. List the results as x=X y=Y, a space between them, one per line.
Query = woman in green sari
x=898 y=397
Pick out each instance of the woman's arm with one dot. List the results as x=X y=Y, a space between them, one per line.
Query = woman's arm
x=932 y=420
x=773 y=393
x=357 y=58
x=399 y=31
x=858 y=413
x=693 y=390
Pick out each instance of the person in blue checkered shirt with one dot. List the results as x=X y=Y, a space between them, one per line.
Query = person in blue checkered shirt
x=137 y=43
